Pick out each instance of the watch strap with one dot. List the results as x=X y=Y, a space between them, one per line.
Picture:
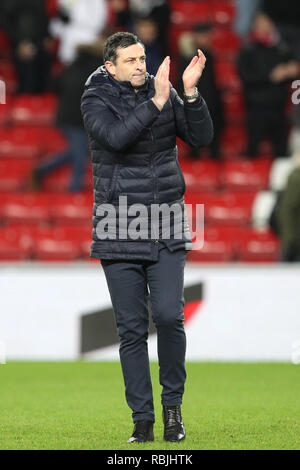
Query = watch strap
x=191 y=97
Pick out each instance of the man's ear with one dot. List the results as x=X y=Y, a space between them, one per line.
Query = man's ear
x=110 y=67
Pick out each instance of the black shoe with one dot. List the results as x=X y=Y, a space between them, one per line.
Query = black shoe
x=174 y=428
x=142 y=432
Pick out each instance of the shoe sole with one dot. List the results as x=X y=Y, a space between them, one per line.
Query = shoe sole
x=174 y=440
x=147 y=440
x=150 y=439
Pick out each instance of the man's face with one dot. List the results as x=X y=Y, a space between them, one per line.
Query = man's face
x=146 y=30
x=130 y=65
x=264 y=25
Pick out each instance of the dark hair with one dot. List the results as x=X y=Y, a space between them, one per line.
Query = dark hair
x=121 y=39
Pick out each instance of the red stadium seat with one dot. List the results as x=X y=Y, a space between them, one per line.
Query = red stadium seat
x=227 y=75
x=190 y=12
x=34 y=110
x=8 y=75
x=226 y=43
x=233 y=142
x=73 y=209
x=40 y=208
x=200 y=175
x=27 y=208
x=58 y=180
x=81 y=234
x=234 y=107
x=235 y=244
x=246 y=175
x=53 y=140
x=52 y=244
x=65 y=243
x=214 y=248
x=76 y=232
x=197 y=197
x=232 y=233
x=223 y=12
x=42 y=243
x=229 y=208
x=224 y=208
x=14 y=245
x=14 y=174
x=257 y=246
x=52 y=8
x=20 y=142
x=4 y=113
x=5 y=196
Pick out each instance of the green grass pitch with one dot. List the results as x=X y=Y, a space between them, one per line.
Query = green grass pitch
x=81 y=405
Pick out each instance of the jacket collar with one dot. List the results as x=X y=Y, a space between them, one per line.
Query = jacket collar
x=102 y=78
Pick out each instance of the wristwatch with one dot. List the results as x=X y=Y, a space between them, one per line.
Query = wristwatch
x=191 y=97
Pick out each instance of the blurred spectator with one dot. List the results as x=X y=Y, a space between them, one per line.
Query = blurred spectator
x=122 y=18
x=129 y=11
x=285 y=15
x=289 y=215
x=79 y=22
x=245 y=13
x=266 y=67
x=146 y=30
x=294 y=140
x=295 y=134
x=159 y=11
x=70 y=88
x=273 y=221
x=287 y=19
x=200 y=38
x=26 y=24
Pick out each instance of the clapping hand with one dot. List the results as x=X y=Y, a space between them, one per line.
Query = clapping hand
x=193 y=72
x=162 y=84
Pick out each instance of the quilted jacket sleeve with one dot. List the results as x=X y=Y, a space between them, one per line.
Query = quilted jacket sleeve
x=193 y=121
x=113 y=133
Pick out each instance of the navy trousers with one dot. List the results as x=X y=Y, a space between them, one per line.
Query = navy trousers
x=128 y=283
x=76 y=154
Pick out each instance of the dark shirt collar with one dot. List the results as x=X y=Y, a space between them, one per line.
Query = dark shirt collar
x=101 y=77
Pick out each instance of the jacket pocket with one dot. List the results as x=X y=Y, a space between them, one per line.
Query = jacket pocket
x=181 y=176
x=112 y=185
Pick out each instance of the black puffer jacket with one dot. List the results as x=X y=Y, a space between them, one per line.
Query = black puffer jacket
x=134 y=154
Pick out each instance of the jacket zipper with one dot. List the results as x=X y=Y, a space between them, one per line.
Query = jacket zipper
x=153 y=170
x=111 y=190
x=152 y=165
